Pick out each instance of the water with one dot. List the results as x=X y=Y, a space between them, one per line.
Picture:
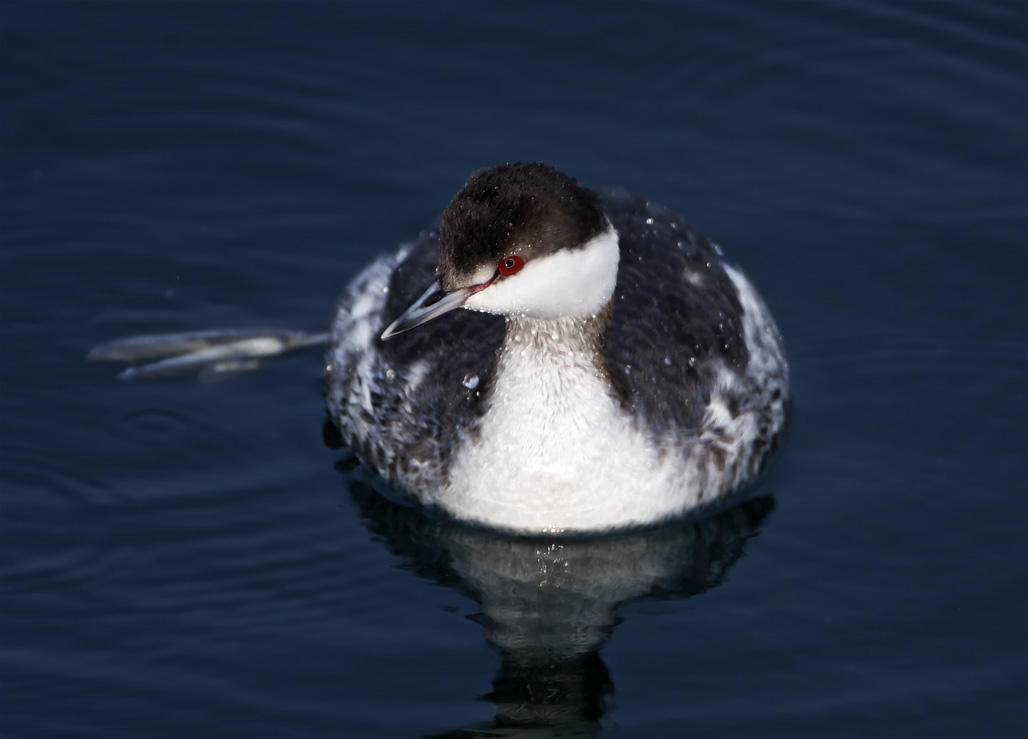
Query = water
x=183 y=559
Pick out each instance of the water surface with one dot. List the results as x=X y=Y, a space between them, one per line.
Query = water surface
x=192 y=559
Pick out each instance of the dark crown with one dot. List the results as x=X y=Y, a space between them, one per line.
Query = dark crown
x=528 y=209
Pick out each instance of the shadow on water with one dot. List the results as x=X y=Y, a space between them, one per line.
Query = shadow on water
x=549 y=604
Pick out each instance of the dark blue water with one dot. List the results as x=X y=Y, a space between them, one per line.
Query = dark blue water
x=183 y=559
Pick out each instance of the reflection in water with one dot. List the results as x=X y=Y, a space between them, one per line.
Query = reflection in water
x=548 y=605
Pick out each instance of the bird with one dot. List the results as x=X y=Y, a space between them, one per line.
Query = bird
x=555 y=359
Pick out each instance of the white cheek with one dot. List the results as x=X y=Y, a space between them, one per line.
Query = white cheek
x=572 y=282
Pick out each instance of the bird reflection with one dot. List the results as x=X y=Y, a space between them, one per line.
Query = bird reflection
x=548 y=605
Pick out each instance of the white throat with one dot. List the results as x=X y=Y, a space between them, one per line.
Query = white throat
x=572 y=283
x=562 y=453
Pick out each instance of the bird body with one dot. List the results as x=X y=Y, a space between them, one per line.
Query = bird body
x=581 y=361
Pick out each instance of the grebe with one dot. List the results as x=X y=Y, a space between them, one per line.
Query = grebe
x=557 y=359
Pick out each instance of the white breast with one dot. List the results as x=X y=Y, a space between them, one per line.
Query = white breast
x=556 y=452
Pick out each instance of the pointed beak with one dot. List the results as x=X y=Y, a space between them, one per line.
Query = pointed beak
x=433 y=303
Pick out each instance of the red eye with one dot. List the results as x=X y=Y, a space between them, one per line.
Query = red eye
x=510 y=265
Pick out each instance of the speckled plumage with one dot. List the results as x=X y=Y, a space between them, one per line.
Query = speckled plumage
x=690 y=356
